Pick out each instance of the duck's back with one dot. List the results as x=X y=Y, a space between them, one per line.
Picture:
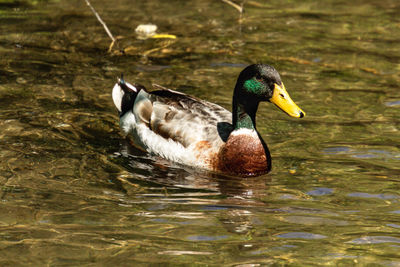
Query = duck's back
x=180 y=127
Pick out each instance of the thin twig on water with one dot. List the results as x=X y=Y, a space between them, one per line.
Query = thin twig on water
x=104 y=25
x=236 y=6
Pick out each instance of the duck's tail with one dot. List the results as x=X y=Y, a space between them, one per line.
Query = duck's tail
x=124 y=95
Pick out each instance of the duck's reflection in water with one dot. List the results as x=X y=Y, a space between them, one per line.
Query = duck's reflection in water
x=164 y=182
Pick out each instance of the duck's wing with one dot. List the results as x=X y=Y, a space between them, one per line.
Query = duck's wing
x=183 y=118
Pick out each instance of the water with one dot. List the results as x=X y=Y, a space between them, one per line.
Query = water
x=73 y=193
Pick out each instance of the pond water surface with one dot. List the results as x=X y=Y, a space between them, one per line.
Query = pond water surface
x=74 y=194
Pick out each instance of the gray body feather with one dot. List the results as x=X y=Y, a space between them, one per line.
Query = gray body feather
x=183 y=118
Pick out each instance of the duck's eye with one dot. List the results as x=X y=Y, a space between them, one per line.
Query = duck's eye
x=259 y=77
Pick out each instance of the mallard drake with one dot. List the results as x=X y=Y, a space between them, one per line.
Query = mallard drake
x=194 y=132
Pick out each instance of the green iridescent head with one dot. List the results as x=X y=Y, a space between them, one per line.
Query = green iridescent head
x=257 y=82
x=261 y=82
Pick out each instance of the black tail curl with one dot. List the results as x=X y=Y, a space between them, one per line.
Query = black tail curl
x=130 y=93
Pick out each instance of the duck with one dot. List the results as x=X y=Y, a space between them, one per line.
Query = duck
x=197 y=133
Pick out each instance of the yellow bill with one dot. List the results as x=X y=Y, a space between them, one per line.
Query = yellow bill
x=282 y=99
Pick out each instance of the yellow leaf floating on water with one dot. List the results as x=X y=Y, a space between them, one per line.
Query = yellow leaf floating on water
x=163 y=36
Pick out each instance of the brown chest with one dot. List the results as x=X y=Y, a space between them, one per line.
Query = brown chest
x=244 y=154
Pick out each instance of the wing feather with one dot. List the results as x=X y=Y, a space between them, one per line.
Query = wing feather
x=188 y=120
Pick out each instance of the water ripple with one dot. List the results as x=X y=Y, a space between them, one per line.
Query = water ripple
x=368 y=195
x=301 y=235
x=375 y=240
